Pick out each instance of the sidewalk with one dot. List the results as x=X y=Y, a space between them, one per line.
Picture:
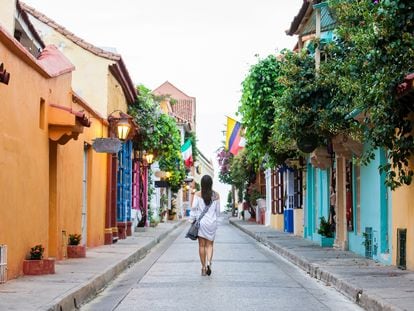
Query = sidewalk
x=372 y=285
x=76 y=280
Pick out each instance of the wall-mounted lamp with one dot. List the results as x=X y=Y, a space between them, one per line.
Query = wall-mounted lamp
x=144 y=155
x=149 y=157
x=123 y=127
x=122 y=124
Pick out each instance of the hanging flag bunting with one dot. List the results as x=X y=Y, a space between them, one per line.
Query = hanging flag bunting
x=234 y=140
x=187 y=152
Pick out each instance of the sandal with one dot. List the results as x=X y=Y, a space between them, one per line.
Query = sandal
x=203 y=271
x=208 y=271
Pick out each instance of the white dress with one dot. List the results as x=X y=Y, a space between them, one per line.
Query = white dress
x=208 y=224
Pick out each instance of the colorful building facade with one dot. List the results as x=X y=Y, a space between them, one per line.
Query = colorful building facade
x=353 y=198
x=101 y=78
x=45 y=145
x=57 y=184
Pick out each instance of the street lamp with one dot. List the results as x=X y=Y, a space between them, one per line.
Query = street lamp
x=149 y=157
x=123 y=128
x=122 y=124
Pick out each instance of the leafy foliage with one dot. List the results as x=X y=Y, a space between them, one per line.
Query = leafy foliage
x=374 y=52
x=74 y=239
x=260 y=89
x=361 y=73
x=306 y=108
x=240 y=170
x=325 y=228
x=159 y=132
x=36 y=252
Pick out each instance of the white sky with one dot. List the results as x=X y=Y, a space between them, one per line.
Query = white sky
x=205 y=48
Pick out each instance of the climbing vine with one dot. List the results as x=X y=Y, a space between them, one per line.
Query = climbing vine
x=260 y=88
x=158 y=132
x=306 y=110
x=374 y=53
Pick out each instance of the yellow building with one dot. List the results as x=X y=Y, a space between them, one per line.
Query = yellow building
x=403 y=203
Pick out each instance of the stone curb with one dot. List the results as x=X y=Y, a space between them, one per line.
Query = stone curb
x=71 y=300
x=355 y=294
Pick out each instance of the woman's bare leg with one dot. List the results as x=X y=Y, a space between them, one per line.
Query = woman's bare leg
x=202 y=251
x=209 y=251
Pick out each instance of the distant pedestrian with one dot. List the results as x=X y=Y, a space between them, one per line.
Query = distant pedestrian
x=210 y=200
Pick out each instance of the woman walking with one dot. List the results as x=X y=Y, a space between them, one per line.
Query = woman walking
x=206 y=199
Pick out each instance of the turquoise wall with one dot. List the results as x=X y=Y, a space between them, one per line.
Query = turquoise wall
x=317 y=200
x=374 y=211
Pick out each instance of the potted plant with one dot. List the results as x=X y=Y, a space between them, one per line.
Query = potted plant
x=36 y=252
x=74 y=249
x=153 y=221
x=36 y=264
x=172 y=213
x=327 y=235
x=163 y=207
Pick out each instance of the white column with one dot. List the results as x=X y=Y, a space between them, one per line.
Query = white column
x=268 y=177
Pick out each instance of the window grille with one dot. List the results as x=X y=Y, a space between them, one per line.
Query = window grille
x=277 y=192
x=3 y=263
x=298 y=189
x=401 y=248
x=290 y=202
x=368 y=242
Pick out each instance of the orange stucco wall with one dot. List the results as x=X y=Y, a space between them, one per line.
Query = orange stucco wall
x=403 y=217
x=70 y=169
x=24 y=161
x=41 y=181
x=97 y=179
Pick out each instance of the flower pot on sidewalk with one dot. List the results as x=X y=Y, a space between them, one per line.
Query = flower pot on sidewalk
x=39 y=266
x=76 y=251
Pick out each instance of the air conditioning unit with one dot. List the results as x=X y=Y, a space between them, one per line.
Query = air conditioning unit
x=3 y=263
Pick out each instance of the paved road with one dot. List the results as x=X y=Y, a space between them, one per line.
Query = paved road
x=246 y=276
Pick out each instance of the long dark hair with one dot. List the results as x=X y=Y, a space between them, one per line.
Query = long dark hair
x=206 y=189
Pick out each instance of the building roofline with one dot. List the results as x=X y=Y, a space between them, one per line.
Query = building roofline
x=297 y=20
x=119 y=71
x=32 y=29
x=76 y=98
x=19 y=50
x=168 y=82
x=71 y=36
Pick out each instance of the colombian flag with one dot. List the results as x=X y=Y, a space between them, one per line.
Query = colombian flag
x=234 y=140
